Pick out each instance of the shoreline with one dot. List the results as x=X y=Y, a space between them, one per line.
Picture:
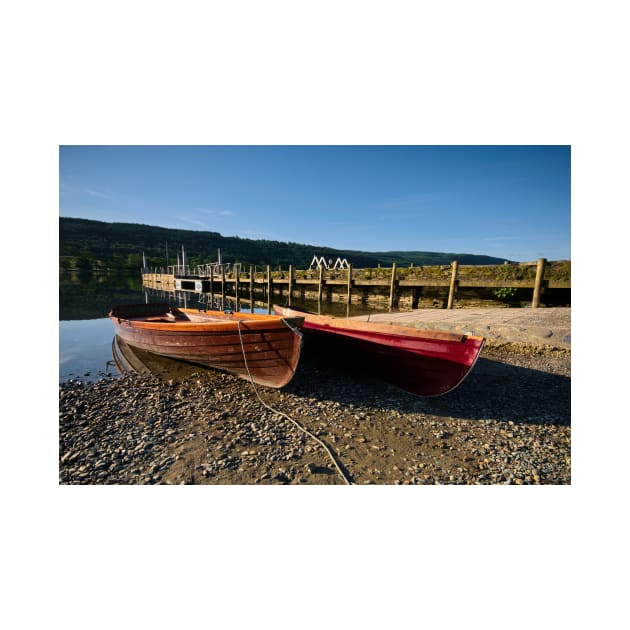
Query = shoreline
x=507 y=423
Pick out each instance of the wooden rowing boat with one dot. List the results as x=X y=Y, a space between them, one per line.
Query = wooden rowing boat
x=265 y=348
x=423 y=362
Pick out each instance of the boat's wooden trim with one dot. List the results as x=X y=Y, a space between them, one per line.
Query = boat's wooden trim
x=361 y=326
x=191 y=320
x=267 y=347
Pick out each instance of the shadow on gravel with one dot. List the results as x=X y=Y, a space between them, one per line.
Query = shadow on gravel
x=497 y=390
x=492 y=391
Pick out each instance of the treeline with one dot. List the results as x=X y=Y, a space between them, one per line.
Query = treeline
x=87 y=245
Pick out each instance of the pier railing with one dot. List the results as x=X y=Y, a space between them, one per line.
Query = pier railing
x=537 y=276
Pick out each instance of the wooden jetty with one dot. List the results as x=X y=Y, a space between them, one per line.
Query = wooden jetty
x=348 y=284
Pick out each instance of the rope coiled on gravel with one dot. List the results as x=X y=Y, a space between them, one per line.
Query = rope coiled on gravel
x=284 y=415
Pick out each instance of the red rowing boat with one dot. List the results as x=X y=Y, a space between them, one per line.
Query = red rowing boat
x=423 y=362
x=265 y=348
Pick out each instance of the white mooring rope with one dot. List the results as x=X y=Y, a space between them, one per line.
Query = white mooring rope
x=281 y=413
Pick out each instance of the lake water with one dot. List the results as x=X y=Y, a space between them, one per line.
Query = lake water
x=86 y=334
x=85 y=349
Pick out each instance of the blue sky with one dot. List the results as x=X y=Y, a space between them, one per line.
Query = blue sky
x=512 y=202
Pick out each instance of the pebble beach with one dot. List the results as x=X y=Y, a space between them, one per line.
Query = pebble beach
x=507 y=423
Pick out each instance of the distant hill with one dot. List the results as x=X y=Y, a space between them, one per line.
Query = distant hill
x=97 y=245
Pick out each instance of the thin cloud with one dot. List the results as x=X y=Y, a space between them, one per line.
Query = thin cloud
x=219 y=212
x=97 y=193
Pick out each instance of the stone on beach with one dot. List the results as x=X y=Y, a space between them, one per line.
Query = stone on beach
x=508 y=423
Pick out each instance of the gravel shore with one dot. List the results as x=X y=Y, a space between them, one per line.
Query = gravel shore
x=508 y=423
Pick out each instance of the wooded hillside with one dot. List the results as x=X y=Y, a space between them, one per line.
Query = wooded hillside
x=95 y=245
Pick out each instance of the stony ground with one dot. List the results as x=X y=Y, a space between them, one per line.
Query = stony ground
x=508 y=423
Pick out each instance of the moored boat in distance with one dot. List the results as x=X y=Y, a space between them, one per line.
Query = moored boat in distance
x=263 y=348
x=423 y=362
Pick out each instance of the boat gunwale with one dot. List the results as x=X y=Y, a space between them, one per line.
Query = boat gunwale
x=224 y=322
x=327 y=323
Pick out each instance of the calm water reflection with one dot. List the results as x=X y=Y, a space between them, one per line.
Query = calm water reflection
x=86 y=334
x=90 y=296
x=133 y=360
x=85 y=348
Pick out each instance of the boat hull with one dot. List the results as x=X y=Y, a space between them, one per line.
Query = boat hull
x=264 y=348
x=423 y=362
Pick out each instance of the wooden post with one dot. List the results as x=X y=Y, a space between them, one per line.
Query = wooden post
x=392 y=286
x=349 y=290
x=291 y=273
x=538 y=284
x=251 y=288
x=269 y=289
x=236 y=270
x=222 y=287
x=453 y=287
x=319 y=290
x=211 y=288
